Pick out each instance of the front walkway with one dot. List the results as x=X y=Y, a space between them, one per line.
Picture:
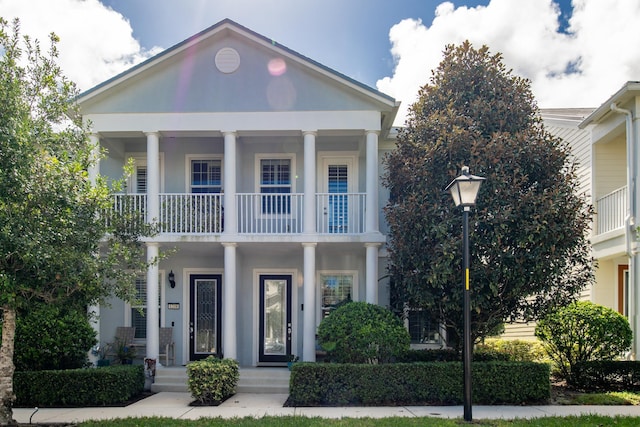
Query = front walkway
x=176 y=405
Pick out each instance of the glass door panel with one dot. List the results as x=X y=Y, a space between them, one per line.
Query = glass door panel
x=205 y=316
x=275 y=318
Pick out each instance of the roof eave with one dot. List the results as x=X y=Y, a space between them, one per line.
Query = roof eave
x=627 y=91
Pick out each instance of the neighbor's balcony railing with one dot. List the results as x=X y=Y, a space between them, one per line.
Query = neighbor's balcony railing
x=611 y=210
x=257 y=213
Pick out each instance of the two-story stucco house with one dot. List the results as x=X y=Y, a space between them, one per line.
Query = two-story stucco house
x=262 y=169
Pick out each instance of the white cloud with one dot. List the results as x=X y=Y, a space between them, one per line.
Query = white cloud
x=579 y=68
x=96 y=42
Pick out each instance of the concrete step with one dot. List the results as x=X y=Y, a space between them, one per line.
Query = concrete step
x=252 y=380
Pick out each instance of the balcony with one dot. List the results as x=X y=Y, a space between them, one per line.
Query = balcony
x=611 y=210
x=257 y=213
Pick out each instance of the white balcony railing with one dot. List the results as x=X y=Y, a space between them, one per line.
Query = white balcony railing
x=340 y=213
x=278 y=213
x=257 y=213
x=611 y=210
x=191 y=213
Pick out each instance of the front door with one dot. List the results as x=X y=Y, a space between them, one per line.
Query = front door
x=275 y=318
x=205 y=318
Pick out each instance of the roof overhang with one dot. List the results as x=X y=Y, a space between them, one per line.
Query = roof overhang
x=627 y=92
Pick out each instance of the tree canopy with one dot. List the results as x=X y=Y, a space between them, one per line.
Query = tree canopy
x=52 y=228
x=528 y=245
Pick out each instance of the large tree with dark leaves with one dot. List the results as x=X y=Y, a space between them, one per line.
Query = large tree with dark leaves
x=56 y=247
x=529 y=251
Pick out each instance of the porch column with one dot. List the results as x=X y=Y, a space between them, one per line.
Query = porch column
x=94 y=171
x=371 y=277
x=229 y=323
x=309 y=183
x=153 y=293
x=371 y=218
x=309 y=308
x=153 y=176
x=633 y=138
x=229 y=200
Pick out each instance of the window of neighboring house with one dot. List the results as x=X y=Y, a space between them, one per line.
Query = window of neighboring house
x=337 y=289
x=206 y=176
x=139 y=311
x=275 y=179
x=423 y=329
x=623 y=289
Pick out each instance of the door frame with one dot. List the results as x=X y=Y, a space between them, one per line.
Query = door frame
x=219 y=317
x=186 y=301
x=295 y=310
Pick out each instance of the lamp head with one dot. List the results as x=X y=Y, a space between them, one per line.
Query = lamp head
x=464 y=189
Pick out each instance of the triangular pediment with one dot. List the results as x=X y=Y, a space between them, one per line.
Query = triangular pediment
x=228 y=68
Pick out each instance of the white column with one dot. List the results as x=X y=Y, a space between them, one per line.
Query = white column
x=371 y=279
x=229 y=323
x=372 y=182
x=94 y=171
x=309 y=182
x=309 y=313
x=153 y=176
x=153 y=294
x=634 y=262
x=230 y=216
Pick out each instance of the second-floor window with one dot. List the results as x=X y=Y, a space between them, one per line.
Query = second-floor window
x=275 y=180
x=206 y=176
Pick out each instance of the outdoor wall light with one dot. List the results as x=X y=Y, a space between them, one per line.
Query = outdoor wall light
x=172 y=279
x=464 y=190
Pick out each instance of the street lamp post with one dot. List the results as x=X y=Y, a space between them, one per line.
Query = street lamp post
x=464 y=190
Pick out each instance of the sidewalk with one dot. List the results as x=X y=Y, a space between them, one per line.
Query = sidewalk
x=176 y=405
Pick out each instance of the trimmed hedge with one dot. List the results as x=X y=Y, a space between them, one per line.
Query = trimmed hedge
x=212 y=380
x=432 y=383
x=78 y=387
x=606 y=375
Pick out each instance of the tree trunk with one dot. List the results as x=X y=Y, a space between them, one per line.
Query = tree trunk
x=6 y=366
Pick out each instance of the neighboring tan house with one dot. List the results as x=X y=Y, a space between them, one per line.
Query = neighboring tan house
x=614 y=130
x=262 y=168
x=564 y=123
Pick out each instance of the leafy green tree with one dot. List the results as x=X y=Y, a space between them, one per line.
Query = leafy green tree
x=581 y=332
x=529 y=251
x=52 y=337
x=52 y=237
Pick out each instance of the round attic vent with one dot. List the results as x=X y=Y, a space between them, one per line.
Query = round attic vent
x=227 y=60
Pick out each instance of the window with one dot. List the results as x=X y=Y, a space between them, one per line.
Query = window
x=141 y=179
x=423 y=329
x=206 y=176
x=336 y=289
x=139 y=311
x=275 y=180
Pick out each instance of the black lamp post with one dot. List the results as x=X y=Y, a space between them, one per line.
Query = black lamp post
x=464 y=190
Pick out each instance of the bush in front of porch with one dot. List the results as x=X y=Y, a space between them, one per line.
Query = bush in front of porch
x=211 y=381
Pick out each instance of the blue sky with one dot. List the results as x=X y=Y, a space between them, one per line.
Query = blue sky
x=575 y=52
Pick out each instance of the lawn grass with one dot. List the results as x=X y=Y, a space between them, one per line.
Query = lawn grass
x=293 y=421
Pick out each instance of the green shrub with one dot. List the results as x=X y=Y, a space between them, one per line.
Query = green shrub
x=433 y=383
x=78 y=387
x=359 y=332
x=51 y=337
x=212 y=380
x=607 y=375
x=581 y=332
x=430 y=355
x=516 y=350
